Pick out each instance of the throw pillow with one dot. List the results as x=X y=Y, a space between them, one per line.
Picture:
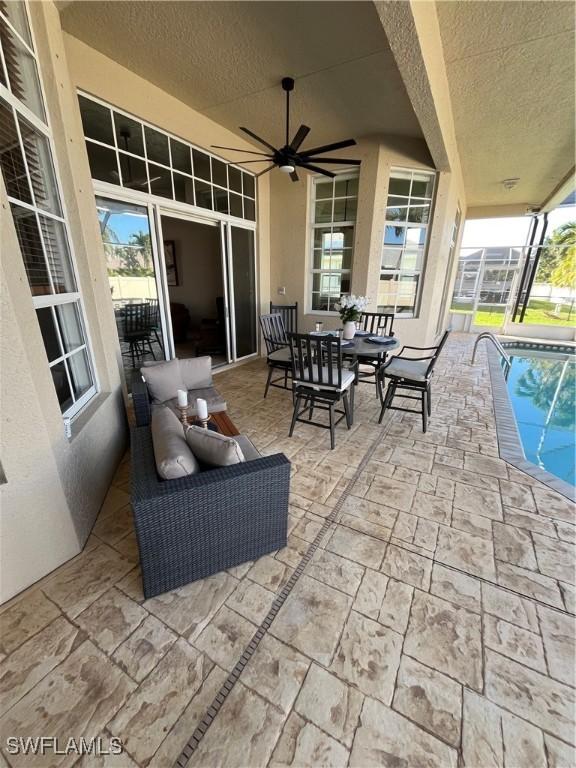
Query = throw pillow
x=171 y=452
x=213 y=448
x=196 y=372
x=163 y=380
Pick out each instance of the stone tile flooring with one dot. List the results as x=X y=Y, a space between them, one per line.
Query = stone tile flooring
x=432 y=627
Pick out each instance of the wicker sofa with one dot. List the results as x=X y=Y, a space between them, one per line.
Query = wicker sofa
x=195 y=526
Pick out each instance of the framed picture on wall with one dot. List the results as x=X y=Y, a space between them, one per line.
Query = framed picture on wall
x=170 y=260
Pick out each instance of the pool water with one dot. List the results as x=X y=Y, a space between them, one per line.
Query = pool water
x=542 y=391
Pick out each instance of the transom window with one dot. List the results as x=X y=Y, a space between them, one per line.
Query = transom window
x=29 y=172
x=127 y=152
x=408 y=214
x=334 y=207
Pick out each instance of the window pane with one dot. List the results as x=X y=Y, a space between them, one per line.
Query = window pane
x=396 y=213
x=201 y=165
x=32 y=251
x=322 y=237
x=323 y=211
x=183 y=188
x=249 y=209
x=103 y=164
x=419 y=213
x=319 y=303
x=203 y=194
x=219 y=175
x=16 y=13
x=234 y=179
x=391 y=258
x=58 y=255
x=407 y=289
x=129 y=134
x=235 y=205
x=61 y=385
x=22 y=72
x=248 y=185
x=220 y=200
x=345 y=210
x=96 y=121
x=69 y=325
x=181 y=160
x=415 y=236
x=399 y=183
x=42 y=176
x=324 y=189
x=394 y=235
x=412 y=258
x=346 y=188
x=134 y=174
x=49 y=334
x=80 y=373
x=422 y=185
x=11 y=158
x=160 y=181
x=156 y=146
x=387 y=290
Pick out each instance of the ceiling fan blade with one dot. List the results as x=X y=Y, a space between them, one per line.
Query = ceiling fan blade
x=265 y=159
x=299 y=137
x=245 y=151
x=258 y=139
x=335 y=160
x=294 y=176
x=265 y=170
x=317 y=169
x=328 y=147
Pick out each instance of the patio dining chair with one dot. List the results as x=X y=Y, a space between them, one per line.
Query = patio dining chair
x=412 y=374
x=277 y=351
x=154 y=320
x=289 y=314
x=378 y=324
x=136 y=331
x=320 y=380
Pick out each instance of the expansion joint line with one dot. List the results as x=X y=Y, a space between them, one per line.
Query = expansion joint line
x=279 y=601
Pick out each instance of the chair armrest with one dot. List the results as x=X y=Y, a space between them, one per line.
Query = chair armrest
x=140 y=400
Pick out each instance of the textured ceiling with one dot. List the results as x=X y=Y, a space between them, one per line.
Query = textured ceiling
x=226 y=60
x=510 y=71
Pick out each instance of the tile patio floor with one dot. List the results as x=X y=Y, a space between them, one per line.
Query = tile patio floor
x=432 y=627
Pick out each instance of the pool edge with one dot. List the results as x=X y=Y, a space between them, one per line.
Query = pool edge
x=509 y=444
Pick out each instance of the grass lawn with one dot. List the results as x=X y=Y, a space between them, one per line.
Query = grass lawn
x=538 y=313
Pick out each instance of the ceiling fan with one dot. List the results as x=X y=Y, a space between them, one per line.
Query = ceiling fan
x=289 y=157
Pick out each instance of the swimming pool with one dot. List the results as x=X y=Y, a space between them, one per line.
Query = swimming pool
x=541 y=385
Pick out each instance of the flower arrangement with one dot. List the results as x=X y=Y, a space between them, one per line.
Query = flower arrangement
x=351 y=307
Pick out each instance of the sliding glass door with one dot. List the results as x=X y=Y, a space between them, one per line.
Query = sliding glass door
x=242 y=291
x=134 y=282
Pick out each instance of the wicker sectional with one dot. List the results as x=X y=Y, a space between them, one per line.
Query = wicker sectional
x=190 y=528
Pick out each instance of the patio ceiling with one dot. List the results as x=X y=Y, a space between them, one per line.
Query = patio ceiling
x=510 y=71
x=226 y=60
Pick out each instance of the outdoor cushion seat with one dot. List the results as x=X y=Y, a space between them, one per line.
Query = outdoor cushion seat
x=171 y=452
x=415 y=370
x=347 y=378
x=280 y=355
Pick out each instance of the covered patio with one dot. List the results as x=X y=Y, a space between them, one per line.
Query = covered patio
x=201 y=201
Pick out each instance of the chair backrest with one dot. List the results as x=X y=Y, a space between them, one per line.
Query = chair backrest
x=316 y=360
x=436 y=353
x=289 y=314
x=153 y=312
x=274 y=332
x=377 y=323
x=136 y=318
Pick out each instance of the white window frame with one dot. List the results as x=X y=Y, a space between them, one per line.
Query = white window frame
x=313 y=225
x=119 y=151
x=420 y=271
x=55 y=299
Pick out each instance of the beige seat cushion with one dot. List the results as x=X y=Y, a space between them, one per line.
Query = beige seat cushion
x=173 y=457
x=163 y=380
x=347 y=379
x=213 y=448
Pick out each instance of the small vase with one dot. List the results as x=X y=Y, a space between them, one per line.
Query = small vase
x=349 y=329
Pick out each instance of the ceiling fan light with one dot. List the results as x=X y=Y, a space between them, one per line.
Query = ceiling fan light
x=287 y=168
